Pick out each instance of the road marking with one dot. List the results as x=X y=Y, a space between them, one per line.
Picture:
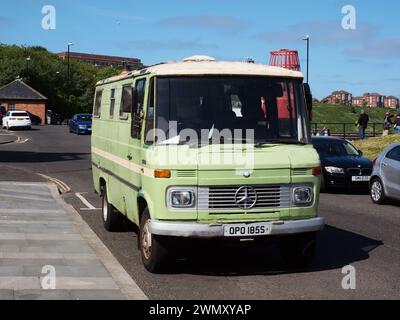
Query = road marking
x=88 y=205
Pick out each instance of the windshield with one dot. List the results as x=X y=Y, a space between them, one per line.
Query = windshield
x=263 y=109
x=85 y=117
x=335 y=148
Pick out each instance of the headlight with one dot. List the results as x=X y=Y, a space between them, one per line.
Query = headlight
x=334 y=170
x=303 y=196
x=82 y=127
x=181 y=198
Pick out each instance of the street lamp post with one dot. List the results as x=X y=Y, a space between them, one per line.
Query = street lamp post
x=307 y=38
x=70 y=44
x=27 y=65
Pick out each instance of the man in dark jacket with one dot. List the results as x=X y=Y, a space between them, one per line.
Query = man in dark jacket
x=362 y=124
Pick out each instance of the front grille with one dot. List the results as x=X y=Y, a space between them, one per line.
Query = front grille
x=359 y=171
x=223 y=198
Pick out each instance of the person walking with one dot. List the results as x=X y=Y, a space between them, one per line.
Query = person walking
x=362 y=124
x=387 y=124
x=397 y=124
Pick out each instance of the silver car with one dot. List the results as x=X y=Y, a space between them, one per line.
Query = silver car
x=385 y=180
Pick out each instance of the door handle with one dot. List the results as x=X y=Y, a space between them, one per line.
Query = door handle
x=129 y=157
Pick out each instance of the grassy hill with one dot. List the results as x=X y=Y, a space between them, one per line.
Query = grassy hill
x=323 y=114
x=373 y=146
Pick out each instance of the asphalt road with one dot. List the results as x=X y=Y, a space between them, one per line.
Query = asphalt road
x=358 y=233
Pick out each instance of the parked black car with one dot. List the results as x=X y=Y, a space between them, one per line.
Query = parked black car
x=36 y=120
x=343 y=165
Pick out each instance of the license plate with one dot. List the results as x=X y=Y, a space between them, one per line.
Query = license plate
x=89 y=129
x=361 y=179
x=247 y=230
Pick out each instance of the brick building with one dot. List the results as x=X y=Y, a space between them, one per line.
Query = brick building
x=340 y=97
x=373 y=100
x=391 y=102
x=358 y=101
x=17 y=95
x=102 y=60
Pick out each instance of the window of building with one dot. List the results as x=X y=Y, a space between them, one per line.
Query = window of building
x=126 y=102
x=97 y=104
x=11 y=106
x=112 y=103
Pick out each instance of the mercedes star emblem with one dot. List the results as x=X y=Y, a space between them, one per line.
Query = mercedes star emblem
x=246 y=197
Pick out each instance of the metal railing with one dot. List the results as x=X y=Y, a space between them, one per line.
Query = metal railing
x=347 y=130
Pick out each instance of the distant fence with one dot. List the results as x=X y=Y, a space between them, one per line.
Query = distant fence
x=347 y=130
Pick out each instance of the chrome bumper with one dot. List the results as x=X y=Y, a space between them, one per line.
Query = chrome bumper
x=216 y=230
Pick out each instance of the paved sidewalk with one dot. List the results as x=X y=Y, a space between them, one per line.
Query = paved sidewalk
x=38 y=229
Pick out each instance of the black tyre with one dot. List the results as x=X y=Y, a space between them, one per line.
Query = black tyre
x=112 y=219
x=153 y=251
x=377 y=191
x=324 y=187
x=298 y=250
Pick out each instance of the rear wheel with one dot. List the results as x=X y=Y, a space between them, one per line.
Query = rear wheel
x=112 y=219
x=377 y=192
x=298 y=250
x=153 y=251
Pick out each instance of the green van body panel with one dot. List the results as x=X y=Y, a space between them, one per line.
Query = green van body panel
x=111 y=137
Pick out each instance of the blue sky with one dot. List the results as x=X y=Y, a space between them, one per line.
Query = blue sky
x=361 y=60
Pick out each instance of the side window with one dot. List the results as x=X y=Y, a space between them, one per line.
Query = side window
x=137 y=108
x=97 y=104
x=149 y=126
x=394 y=154
x=112 y=103
x=126 y=102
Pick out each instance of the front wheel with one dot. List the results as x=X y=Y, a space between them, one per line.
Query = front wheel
x=153 y=251
x=377 y=191
x=112 y=219
x=298 y=250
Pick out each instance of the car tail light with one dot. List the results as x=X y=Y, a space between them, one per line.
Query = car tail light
x=374 y=162
x=13 y=119
x=316 y=171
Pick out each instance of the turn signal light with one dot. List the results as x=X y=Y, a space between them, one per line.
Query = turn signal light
x=316 y=171
x=162 y=174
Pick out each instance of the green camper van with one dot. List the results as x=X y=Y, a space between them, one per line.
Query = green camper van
x=206 y=149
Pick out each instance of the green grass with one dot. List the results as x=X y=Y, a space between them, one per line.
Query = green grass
x=373 y=146
x=325 y=114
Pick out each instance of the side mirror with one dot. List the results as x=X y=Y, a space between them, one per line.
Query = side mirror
x=360 y=153
x=309 y=100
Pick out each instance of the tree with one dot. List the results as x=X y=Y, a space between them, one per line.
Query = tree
x=47 y=73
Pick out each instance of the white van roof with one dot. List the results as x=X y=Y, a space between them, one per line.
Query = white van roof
x=209 y=67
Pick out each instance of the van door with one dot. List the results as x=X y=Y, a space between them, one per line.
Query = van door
x=134 y=146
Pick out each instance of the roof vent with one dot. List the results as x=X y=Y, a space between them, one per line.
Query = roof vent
x=199 y=59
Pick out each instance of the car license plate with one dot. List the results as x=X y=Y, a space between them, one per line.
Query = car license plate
x=247 y=230
x=89 y=129
x=361 y=179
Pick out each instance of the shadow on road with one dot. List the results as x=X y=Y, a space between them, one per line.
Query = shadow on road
x=36 y=157
x=336 y=248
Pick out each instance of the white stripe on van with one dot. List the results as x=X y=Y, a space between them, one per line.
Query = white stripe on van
x=124 y=163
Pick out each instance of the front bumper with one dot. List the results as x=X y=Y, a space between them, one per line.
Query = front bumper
x=216 y=230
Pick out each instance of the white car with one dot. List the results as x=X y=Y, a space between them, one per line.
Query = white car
x=16 y=119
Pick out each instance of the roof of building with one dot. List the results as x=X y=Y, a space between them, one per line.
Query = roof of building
x=392 y=97
x=80 y=55
x=199 y=68
x=19 y=90
x=340 y=92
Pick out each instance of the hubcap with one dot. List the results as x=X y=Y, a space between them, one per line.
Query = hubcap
x=105 y=208
x=376 y=191
x=146 y=240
